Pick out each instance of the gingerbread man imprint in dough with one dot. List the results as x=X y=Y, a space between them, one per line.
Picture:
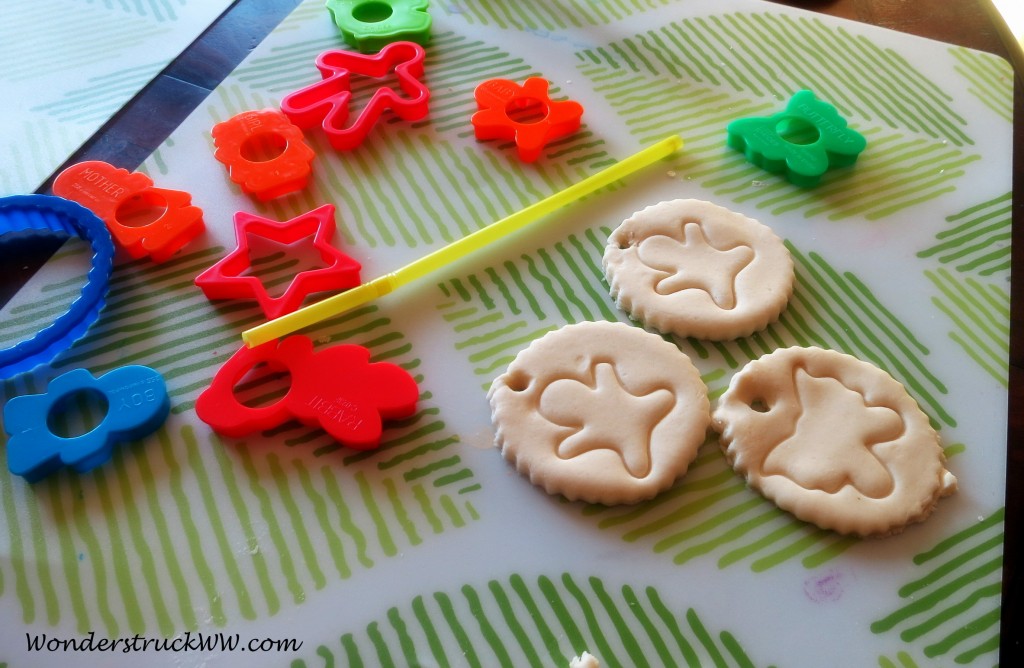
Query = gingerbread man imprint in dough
x=815 y=455
x=696 y=269
x=695 y=263
x=601 y=412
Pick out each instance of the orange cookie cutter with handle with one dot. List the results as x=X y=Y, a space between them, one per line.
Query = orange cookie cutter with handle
x=265 y=153
x=327 y=102
x=338 y=389
x=143 y=219
x=229 y=278
x=498 y=100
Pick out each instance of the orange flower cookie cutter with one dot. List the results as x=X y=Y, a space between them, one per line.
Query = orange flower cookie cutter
x=265 y=153
x=231 y=277
x=143 y=219
x=327 y=102
x=502 y=104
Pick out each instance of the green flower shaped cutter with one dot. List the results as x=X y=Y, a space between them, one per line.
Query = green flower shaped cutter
x=370 y=25
x=802 y=142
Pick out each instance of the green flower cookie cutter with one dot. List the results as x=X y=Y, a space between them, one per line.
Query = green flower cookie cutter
x=802 y=142
x=370 y=25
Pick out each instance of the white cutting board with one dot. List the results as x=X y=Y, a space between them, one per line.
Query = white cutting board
x=433 y=551
x=70 y=66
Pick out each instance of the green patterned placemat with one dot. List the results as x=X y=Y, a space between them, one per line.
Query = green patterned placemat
x=431 y=550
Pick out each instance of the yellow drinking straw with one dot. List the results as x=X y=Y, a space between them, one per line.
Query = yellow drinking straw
x=443 y=257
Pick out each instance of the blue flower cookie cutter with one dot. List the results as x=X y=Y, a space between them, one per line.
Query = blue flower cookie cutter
x=137 y=404
x=802 y=142
x=46 y=213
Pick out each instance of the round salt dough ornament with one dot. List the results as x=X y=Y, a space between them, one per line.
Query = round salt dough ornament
x=694 y=268
x=600 y=412
x=834 y=440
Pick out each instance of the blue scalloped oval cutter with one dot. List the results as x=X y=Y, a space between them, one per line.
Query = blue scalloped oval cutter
x=46 y=213
x=136 y=403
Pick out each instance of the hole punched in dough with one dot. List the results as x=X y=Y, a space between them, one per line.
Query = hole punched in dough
x=759 y=406
x=518 y=382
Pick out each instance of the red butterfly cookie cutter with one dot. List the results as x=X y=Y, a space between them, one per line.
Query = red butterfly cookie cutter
x=228 y=278
x=499 y=99
x=265 y=153
x=145 y=220
x=337 y=389
x=327 y=102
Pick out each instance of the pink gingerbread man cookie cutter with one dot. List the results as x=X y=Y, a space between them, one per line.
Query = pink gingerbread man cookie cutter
x=327 y=102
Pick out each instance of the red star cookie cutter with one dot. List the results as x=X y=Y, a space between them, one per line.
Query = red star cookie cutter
x=338 y=389
x=228 y=280
x=144 y=220
x=499 y=99
x=327 y=102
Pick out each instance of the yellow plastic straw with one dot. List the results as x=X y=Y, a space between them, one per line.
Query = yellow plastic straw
x=470 y=243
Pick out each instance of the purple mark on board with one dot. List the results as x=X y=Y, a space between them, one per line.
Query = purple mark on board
x=826 y=588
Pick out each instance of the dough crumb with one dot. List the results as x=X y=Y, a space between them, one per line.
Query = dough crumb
x=585 y=660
